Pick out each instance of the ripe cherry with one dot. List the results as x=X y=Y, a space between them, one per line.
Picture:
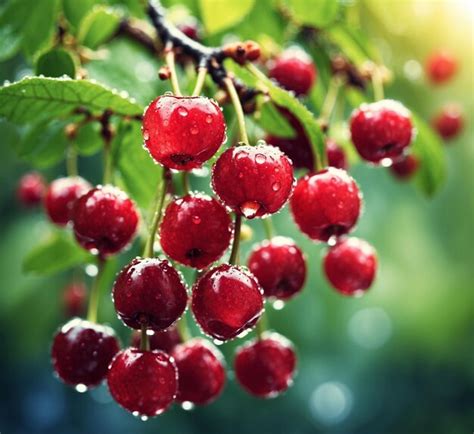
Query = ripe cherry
x=82 y=351
x=183 y=132
x=226 y=301
x=253 y=180
x=336 y=155
x=449 y=121
x=201 y=373
x=196 y=230
x=164 y=340
x=381 y=130
x=74 y=299
x=350 y=266
x=406 y=167
x=326 y=204
x=266 y=367
x=279 y=266
x=104 y=219
x=441 y=66
x=294 y=70
x=61 y=196
x=149 y=292
x=143 y=382
x=31 y=189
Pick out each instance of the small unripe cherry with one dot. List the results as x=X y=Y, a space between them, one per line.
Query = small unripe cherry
x=405 y=167
x=74 y=299
x=449 y=121
x=31 y=189
x=336 y=155
x=441 y=66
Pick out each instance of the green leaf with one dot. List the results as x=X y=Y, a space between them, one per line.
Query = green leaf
x=35 y=98
x=98 y=26
x=318 y=13
x=218 y=15
x=58 y=253
x=270 y=119
x=88 y=140
x=12 y=16
x=75 y=11
x=56 y=63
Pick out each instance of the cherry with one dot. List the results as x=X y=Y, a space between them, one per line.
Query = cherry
x=183 y=132
x=266 y=367
x=149 y=292
x=31 y=189
x=326 y=204
x=226 y=301
x=201 y=373
x=191 y=28
x=441 y=66
x=350 y=266
x=196 y=230
x=406 y=167
x=82 y=351
x=381 y=130
x=74 y=299
x=336 y=155
x=104 y=219
x=143 y=382
x=294 y=70
x=237 y=178
x=164 y=340
x=61 y=196
x=279 y=266
x=449 y=121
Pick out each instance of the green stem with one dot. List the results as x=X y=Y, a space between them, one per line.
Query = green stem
x=377 y=84
x=183 y=329
x=262 y=325
x=71 y=161
x=234 y=254
x=201 y=77
x=95 y=292
x=185 y=179
x=234 y=96
x=170 y=61
x=268 y=227
x=144 y=339
x=255 y=71
x=331 y=98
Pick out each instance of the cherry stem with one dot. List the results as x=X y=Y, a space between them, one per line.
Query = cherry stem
x=268 y=227
x=256 y=72
x=262 y=325
x=234 y=96
x=201 y=78
x=95 y=291
x=169 y=58
x=330 y=99
x=235 y=244
x=71 y=161
x=377 y=84
x=144 y=339
x=185 y=179
x=183 y=329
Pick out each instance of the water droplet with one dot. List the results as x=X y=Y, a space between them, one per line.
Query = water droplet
x=166 y=122
x=186 y=405
x=250 y=209
x=168 y=93
x=208 y=119
x=261 y=142
x=144 y=418
x=81 y=388
x=276 y=186
x=217 y=342
x=278 y=304
x=194 y=131
x=91 y=270
x=241 y=175
x=182 y=111
x=260 y=158
x=196 y=219
x=146 y=134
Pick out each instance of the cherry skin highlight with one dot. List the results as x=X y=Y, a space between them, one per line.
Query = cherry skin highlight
x=279 y=266
x=226 y=301
x=182 y=133
x=74 y=299
x=441 y=66
x=196 y=230
x=201 y=373
x=31 y=189
x=149 y=292
x=381 y=130
x=61 y=196
x=326 y=204
x=350 y=266
x=164 y=340
x=406 y=167
x=143 y=382
x=449 y=121
x=266 y=367
x=336 y=155
x=253 y=180
x=82 y=351
x=104 y=219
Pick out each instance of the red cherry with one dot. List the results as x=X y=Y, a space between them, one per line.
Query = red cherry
x=31 y=189
x=336 y=155
x=226 y=301
x=201 y=373
x=326 y=204
x=74 y=299
x=196 y=230
x=183 y=132
x=441 y=66
x=381 y=130
x=237 y=178
x=164 y=340
x=149 y=292
x=294 y=70
x=61 y=196
x=143 y=382
x=449 y=121
x=191 y=28
x=82 y=351
x=104 y=219
x=350 y=266
x=266 y=367
x=279 y=266
x=406 y=167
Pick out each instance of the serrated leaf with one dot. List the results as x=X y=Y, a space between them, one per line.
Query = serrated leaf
x=35 y=98
x=56 y=63
x=218 y=15
x=98 y=26
x=318 y=13
x=272 y=122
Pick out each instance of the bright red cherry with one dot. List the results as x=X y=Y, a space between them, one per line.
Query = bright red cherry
x=449 y=121
x=226 y=301
x=326 y=204
x=253 y=180
x=441 y=66
x=149 y=292
x=336 y=155
x=381 y=130
x=279 y=266
x=266 y=367
x=143 y=382
x=183 y=132
x=74 y=299
x=201 y=373
x=294 y=70
x=104 y=219
x=31 y=189
x=406 y=167
x=196 y=230
x=82 y=351
x=350 y=266
x=61 y=196
x=164 y=340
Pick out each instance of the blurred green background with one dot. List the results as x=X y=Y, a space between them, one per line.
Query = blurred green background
x=398 y=360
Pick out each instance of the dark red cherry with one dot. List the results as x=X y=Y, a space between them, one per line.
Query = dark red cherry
x=165 y=340
x=449 y=121
x=143 y=382
x=201 y=373
x=336 y=155
x=226 y=301
x=196 y=230
x=31 y=189
x=406 y=167
x=266 y=367
x=191 y=28
x=279 y=266
x=183 y=132
x=441 y=66
x=82 y=351
x=74 y=299
x=149 y=292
